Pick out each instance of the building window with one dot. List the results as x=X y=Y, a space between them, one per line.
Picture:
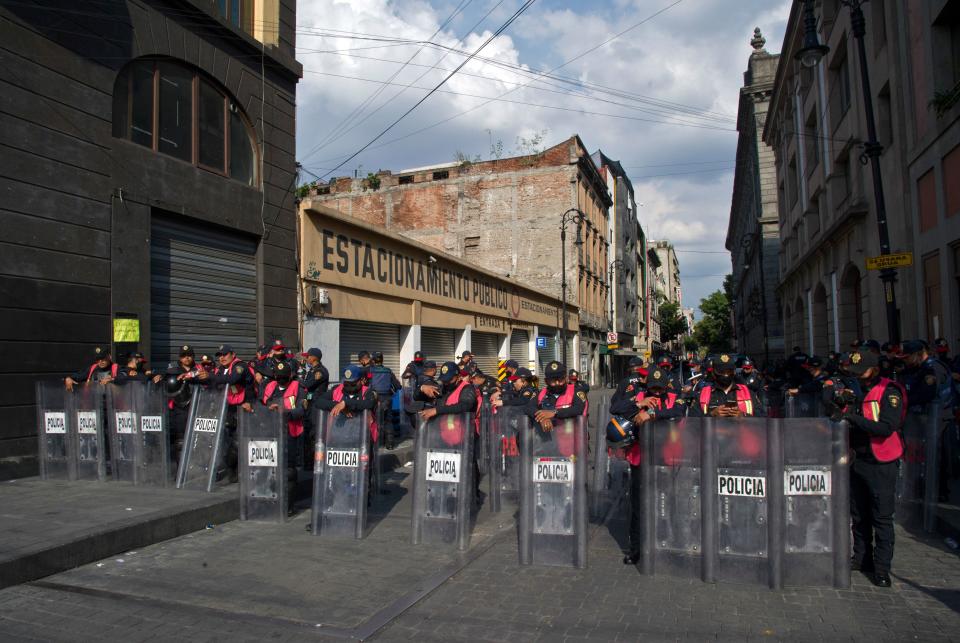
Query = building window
x=927 y=201
x=175 y=110
x=841 y=92
x=439 y=176
x=951 y=182
x=406 y=180
x=239 y=13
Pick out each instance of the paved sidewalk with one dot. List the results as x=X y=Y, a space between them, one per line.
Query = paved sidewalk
x=248 y=581
x=48 y=526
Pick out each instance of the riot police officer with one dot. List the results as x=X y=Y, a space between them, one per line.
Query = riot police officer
x=657 y=402
x=233 y=374
x=179 y=381
x=633 y=383
x=103 y=370
x=876 y=418
x=285 y=395
x=724 y=397
x=385 y=383
x=557 y=399
x=926 y=379
x=574 y=378
x=521 y=383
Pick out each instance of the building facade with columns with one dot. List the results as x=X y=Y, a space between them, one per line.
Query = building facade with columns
x=753 y=235
x=364 y=288
x=825 y=194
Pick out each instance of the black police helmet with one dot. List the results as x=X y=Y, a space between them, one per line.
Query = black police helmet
x=172 y=386
x=620 y=433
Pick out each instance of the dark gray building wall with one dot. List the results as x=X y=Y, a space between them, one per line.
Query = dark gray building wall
x=76 y=203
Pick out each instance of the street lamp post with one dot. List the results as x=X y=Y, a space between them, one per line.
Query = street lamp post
x=575 y=216
x=809 y=55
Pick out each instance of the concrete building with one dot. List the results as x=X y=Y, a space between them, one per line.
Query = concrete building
x=753 y=234
x=656 y=284
x=146 y=175
x=928 y=34
x=826 y=204
x=370 y=289
x=504 y=216
x=627 y=265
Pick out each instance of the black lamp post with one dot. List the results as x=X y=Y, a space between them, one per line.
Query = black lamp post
x=616 y=263
x=809 y=55
x=575 y=216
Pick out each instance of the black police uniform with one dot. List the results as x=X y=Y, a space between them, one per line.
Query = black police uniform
x=179 y=399
x=628 y=387
x=555 y=370
x=627 y=408
x=294 y=443
x=238 y=375
x=873 y=483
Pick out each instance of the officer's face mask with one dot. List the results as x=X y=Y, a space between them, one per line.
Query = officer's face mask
x=723 y=378
x=556 y=386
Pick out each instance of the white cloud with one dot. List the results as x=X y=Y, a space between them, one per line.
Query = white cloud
x=692 y=55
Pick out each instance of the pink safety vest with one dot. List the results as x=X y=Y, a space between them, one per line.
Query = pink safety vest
x=374 y=429
x=564 y=434
x=235 y=393
x=635 y=455
x=888 y=448
x=294 y=427
x=750 y=445
x=114 y=369
x=451 y=432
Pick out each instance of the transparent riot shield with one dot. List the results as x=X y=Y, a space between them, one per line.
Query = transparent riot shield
x=553 y=504
x=123 y=424
x=203 y=441
x=153 y=439
x=673 y=496
x=506 y=426
x=483 y=446
x=53 y=431
x=816 y=507
x=611 y=471
x=918 y=484
x=341 y=473
x=804 y=405
x=443 y=486
x=262 y=451
x=86 y=413
x=741 y=514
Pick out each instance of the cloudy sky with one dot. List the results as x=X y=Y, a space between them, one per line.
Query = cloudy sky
x=661 y=98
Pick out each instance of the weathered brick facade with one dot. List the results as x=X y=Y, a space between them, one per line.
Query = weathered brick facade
x=503 y=215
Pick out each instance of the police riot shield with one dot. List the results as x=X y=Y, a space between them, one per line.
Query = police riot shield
x=740 y=505
x=203 y=441
x=53 y=430
x=804 y=405
x=89 y=435
x=506 y=426
x=918 y=483
x=815 y=521
x=123 y=424
x=611 y=471
x=153 y=439
x=443 y=486
x=341 y=473
x=263 y=464
x=672 y=501
x=483 y=445
x=553 y=504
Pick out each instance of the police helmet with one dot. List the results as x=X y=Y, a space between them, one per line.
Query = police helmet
x=172 y=386
x=620 y=433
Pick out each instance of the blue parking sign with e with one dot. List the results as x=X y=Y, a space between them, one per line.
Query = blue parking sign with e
x=541 y=342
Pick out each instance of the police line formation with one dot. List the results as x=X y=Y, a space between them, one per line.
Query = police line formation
x=727 y=472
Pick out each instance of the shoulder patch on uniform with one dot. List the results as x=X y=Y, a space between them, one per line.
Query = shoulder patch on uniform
x=239 y=369
x=930 y=379
x=894 y=400
x=582 y=395
x=316 y=375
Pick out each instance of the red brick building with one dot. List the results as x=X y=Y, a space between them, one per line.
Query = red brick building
x=503 y=215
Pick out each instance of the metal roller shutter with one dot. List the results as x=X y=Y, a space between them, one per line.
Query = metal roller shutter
x=545 y=355
x=439 y=344
x=486 y=347
x=520 y=347
x=203 y=290
x=357 y=336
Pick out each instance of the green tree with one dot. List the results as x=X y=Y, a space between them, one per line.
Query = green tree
x=671 y=320
x=713 y=331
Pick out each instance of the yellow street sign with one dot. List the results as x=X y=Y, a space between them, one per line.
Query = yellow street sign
x=899 y=260
x=613 y=346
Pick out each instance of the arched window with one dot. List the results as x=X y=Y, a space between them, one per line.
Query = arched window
x=177 y=110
